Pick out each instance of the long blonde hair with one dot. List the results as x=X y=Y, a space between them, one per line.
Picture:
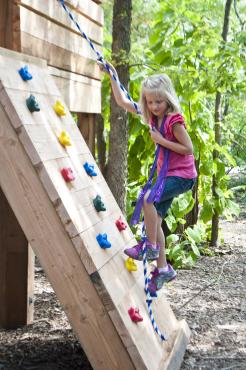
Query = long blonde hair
x=162 y=86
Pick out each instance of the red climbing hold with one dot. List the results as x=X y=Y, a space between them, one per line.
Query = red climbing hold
x=134 y=314
x=120 y=224
x=67 y=174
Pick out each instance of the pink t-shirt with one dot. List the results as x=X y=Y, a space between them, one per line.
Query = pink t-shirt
x=181 y=165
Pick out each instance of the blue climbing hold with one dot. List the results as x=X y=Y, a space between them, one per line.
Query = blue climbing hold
x=25 y=74
x=90 y=169
x=103 y=241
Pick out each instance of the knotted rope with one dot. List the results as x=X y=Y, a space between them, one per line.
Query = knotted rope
x=149 y=298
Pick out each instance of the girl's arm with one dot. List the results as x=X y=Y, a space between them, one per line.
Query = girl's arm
x=119 y=95
x=183 y=146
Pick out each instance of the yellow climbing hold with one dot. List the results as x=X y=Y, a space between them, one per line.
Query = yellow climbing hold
x=130 y=264
x=64 y=139
x=59 y=108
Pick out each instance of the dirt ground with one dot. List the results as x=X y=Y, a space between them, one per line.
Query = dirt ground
x=211 y=297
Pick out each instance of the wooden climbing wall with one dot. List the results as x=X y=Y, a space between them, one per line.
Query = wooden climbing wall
x=43 y=29
x=61 y=223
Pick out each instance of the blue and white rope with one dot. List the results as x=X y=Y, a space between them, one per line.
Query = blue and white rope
x=149 y=298
x=100 y=57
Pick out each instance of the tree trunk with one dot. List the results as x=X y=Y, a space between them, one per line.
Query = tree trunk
x=116 y=174
x=217 y=133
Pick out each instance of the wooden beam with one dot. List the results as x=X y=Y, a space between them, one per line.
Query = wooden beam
x=86 y=124
x=89 y=8
x=9 y=25
x=39 y=27
x=16 y=271
x=59 y=57
x=52 y=11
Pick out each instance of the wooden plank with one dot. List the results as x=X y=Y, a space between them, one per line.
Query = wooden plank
x=97 y=258
x=118 y=240
x=176 y=347
x=51 y=244
x=87 y=8
x=11 y=79
x=13 y=55
x=59 y=57
x=43 y=145
x=16 y=279
x=54 y=12
x=73 y=77
x=78 y=96
x=48 y=31
x=9 y=25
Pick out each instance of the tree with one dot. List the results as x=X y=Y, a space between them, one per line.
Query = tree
x=116 y=173
x=217 y=134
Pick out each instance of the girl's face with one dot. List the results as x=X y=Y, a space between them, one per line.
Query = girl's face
x=156 y=104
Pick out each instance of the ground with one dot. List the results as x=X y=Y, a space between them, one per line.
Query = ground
x=211 y=297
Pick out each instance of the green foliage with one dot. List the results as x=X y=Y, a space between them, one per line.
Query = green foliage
x=184 y=250
x=180 y=207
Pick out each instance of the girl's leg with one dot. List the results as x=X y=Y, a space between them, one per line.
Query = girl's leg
x=164 y=272
x=161 y=262
x=150 y=220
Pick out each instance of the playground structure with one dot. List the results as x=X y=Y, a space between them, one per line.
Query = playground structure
x=61 y=221
x=42 y=29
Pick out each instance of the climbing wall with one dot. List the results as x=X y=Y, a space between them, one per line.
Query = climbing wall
x=61 y=223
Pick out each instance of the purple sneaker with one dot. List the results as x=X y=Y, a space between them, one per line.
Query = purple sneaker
x=159 y=278
x=136 y=252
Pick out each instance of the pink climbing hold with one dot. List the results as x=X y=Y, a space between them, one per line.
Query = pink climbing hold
x=135 y=315
x=120 y=224
x=67 y=174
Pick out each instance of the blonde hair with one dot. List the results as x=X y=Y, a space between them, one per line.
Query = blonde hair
x=162 y=86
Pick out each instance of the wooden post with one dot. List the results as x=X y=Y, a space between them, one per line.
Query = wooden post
x=17 y=259
x=86 y=124
x=10 y=25
x=16 y=271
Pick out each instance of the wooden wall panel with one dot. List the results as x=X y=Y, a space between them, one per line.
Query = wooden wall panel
x=88 y=8
x=80 y=93
x=52 y=10
x=46 y=30
x=59 y=57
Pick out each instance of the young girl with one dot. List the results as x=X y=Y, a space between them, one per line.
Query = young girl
x=160 y=108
